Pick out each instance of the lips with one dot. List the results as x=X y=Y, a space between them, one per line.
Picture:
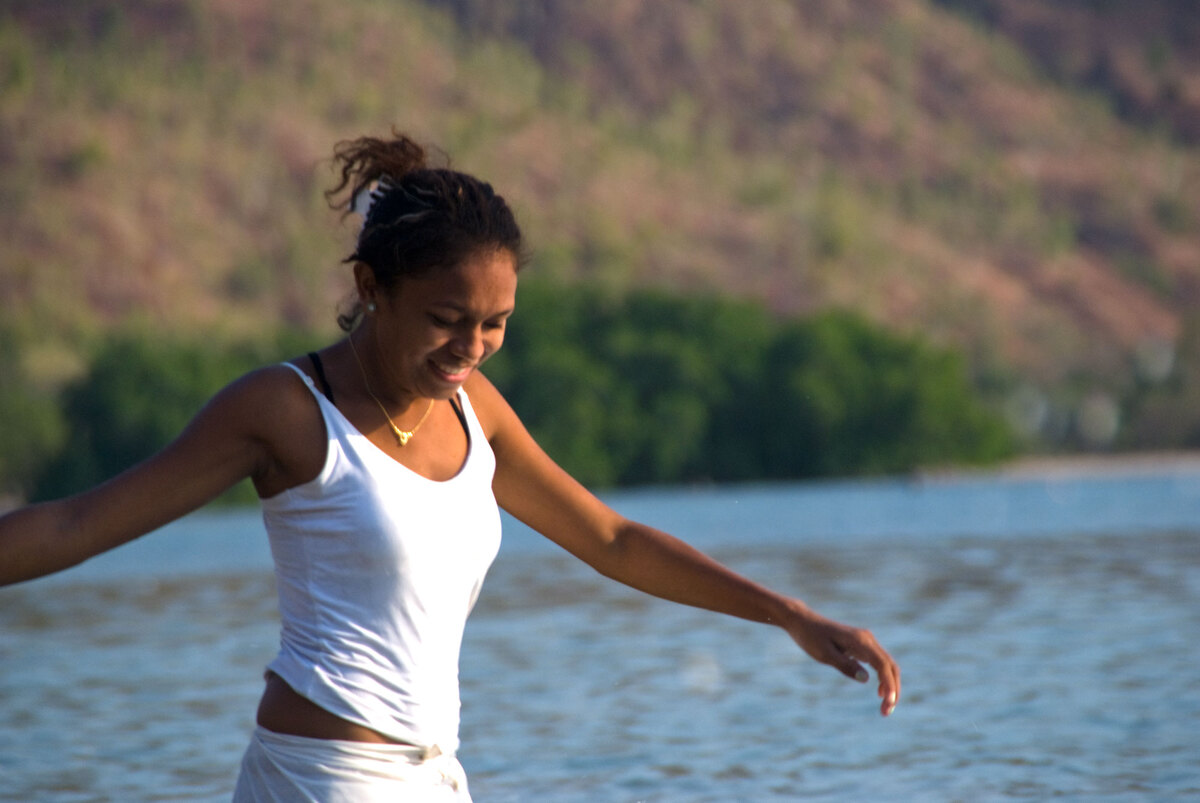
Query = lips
x=452 y=373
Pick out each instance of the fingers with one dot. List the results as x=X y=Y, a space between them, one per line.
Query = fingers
x=850 y=668
x=864 y=647
x=846 y=649
x=889 y=681
x=889 y=703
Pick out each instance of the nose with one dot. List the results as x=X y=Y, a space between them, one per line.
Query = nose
x=469 y=343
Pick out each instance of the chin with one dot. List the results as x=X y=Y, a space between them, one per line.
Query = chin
x=442 y=388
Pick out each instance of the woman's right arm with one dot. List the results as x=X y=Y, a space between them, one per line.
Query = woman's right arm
x=230 y=439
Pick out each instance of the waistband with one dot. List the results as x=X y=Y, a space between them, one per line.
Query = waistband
x=281 y=768
x=365 y=751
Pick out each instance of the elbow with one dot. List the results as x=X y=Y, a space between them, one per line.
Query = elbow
x=615 y=554
x=39 y=540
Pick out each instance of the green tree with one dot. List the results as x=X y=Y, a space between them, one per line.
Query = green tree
x=650 y=387
x=139 y=393
x=855 y=399
x=31 y=426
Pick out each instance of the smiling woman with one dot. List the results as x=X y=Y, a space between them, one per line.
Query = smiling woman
x=380 y=462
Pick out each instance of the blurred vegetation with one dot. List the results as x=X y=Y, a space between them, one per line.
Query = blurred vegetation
x=645 y=387
x=32 y=427
x=1015 y=181
x=1014 y=177
x=138 y=393
x=1142 y=58
x=651 y=387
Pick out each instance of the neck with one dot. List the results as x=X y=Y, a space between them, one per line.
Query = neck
x=373 y=371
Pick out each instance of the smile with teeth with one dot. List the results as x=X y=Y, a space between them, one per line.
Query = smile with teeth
x=452 y=371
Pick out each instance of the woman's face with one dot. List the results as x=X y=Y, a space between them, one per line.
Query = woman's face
x=432 y=332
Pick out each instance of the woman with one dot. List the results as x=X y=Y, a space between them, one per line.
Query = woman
x=380 y=462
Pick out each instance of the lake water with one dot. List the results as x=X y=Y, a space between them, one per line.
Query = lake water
x=1046 y=626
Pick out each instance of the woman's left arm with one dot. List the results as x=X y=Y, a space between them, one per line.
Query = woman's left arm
x=535 y=490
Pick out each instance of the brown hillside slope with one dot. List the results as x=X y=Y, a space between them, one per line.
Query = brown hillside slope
x=889 y=155
x=961 y=191
x=1144 y=56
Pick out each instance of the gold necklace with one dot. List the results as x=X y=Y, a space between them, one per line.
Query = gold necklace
x=403 y=436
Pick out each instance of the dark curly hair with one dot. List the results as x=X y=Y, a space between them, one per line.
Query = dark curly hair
x=421 y=219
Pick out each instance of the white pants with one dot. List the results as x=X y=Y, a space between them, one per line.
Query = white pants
x=279 y=768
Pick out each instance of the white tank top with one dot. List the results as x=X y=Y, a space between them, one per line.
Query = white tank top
x=377 y=568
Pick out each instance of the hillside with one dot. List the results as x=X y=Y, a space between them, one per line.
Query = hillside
x=937 y=177
x=1143 y=57
x=924 y=163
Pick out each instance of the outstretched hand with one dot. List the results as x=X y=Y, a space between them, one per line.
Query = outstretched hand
x=846 y=648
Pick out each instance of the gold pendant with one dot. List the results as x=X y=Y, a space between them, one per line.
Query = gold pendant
x=402 y=437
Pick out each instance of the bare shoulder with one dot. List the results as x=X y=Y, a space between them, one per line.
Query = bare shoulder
x=270 y=410
x=274 y=408
x=280 y=382
x=266 y=395
x=491 y=408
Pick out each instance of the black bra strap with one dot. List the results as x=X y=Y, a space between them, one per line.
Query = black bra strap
x=320 y=371
x=462 y=418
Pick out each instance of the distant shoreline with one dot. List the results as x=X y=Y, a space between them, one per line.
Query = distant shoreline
x=1051 y=466
x=1032 y=467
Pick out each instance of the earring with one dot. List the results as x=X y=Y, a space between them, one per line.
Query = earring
x=370 y=306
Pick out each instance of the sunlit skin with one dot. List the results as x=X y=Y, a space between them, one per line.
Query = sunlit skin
x=425 y=338
x=420 y=341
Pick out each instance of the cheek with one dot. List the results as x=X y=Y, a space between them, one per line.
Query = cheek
x=493 y=341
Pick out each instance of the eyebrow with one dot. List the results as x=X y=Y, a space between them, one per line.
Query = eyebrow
x=450 y=305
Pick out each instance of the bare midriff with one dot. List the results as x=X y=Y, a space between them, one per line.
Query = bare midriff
x=282 y=710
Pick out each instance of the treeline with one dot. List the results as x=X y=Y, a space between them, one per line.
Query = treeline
x=140 y=390
x=649 y=387
x=620 y=389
